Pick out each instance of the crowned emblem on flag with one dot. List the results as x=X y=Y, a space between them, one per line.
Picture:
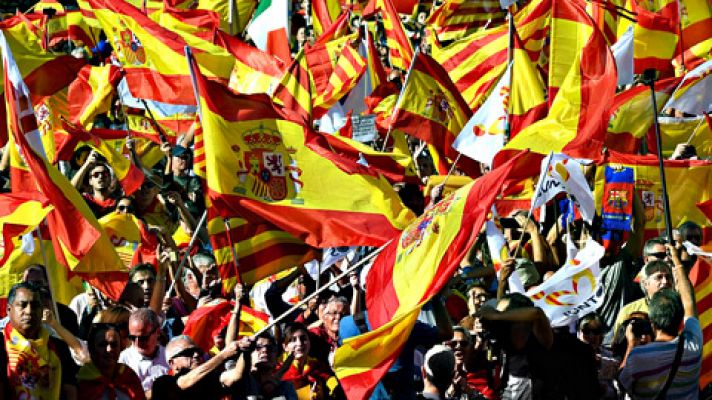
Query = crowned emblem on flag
x=264 y=166
x=438 y=107
x=427 y=224
x=128 y=47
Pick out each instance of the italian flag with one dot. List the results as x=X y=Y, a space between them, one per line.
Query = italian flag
x=269 y=28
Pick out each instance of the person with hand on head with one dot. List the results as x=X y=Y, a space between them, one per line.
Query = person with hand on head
x=670 y=365
x=37 y=365
x=145 y=356
x=95 y=181
x=105 y=377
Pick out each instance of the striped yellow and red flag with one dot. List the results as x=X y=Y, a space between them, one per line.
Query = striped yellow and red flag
x=431 y=109
x=455 y=19
x=20 y=214
x=606 y=14
x=324 y=14
x=132 y=241
x=431 y=248
x=260 y=167
x=294 y=91
x=153 y=57
x=348 y=70
x=632 y=114
x=696 y=33
x=577 y=118
x=476 y=62
x=321 y=59
x=400 y=49
x=701 y=278
x=261 y=250
x=92 y=92
x=62 y=26
x=207 y=321
x=338 y=29
x=79 y=243
x=233 y=18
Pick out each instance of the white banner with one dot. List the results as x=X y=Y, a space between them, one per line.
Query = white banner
x=564 y=174
x=574 y=290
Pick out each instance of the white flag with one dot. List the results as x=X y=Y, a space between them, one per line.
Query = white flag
x=623 y=54
x=564 y=174
x=694 y=94
x=574 y=290
x=498 y=250
x=483 y=135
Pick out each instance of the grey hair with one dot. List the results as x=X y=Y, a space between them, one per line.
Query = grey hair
x=145 y=315
x=180 y=338
x=203 y=259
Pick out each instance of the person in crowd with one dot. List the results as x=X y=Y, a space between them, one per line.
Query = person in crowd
x=96 y=176
x=144 y=275
x=37 y=274
x=145 y=356
x=306 y=373
x=105 y=377
x=325 y=336
x=656 y=275
x=668 y=367
x=590 y=330
x=438 y=371
x=467 y=383
x=37 y=365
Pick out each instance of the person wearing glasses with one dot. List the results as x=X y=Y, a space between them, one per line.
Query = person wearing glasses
x=105 y=377
x=591 y=330
x=192 y=375
x=145 y=355
x=94 y=181
x=466 y=383
x=125 y=205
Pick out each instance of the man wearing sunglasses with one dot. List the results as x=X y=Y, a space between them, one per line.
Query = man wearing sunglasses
x=145 y=355
x=94 y=181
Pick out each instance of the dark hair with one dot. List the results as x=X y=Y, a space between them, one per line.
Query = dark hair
x=99 y=328
x=269 y=337
x=686 y=227
x=517 y=300
x=666 y=311
x=292 y=329
x=590 y=317
x=144 y=267
x=23 y=285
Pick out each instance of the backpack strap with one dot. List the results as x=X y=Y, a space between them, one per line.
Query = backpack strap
x=673 y=368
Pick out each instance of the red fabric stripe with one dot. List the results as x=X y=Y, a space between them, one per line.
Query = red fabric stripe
x=334 y=228
x=696 y=33
x=53 y=75
x=360 y=386
x=432 y=68
x=251 y=56
x=473 y=75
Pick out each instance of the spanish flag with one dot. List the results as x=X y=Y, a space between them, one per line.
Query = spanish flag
x=79 y=243
x=632 y=114
x=21 y=213
x=155 y=55
x=206 y=322
x=606 y=16
x=455 y=19
x=66 y=25
x=577 y=117
x=255 y=71
x=432 y=109
x=260 y=167
x=92 y=92
x=476 y=62
x=431 y=248
x=129 y=236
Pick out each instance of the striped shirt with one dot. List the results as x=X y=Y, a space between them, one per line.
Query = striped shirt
x=648 y=366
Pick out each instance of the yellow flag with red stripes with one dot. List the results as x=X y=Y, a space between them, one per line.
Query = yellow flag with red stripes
x=348 y=70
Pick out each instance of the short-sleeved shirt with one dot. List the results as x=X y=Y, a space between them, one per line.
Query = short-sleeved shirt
x=648 y=366
x=640 y=305
x=148 y=369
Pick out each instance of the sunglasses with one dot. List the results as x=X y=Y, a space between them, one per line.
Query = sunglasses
x=141 y=338
x=125 y=208
x=99 y=174
x=659 y=255
x=190 y=352
x=458 y=343
x=592 y=331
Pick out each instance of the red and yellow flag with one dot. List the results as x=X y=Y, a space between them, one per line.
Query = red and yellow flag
x=21 y=213
x=577 y=117
x=348 y=70
x=79 y=243
x=606 y=16
x=259 y=166
x=261 y=250
x=701 y=278
x=399 y=48
x=455 y=19
x=476 y=62
x=255 y=71
x=324 y=14
x=153 y=57
x=294 y=91
x=92 y=92
x=431 y=248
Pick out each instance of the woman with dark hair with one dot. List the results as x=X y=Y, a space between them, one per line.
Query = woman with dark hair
x=104 y=377
x=590 y=330
x=307 y=374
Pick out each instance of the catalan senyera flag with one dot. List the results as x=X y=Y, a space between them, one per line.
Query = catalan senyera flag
x=701 y=278
x=656 y=33
x=431 y=108
x=260 y=167
x=477 y=61
x=688 y=183
x=348 y=70
x=606 y=16
x=79 y=242
x=431 y=248
x=338 y=29
x=399 y=48
x=21 y=213
x=294 y=91
x=576 y=121
x=92 y=92
x=153 y=57
x=632 y=114
x=321 y=58
x=261 y=250
x=455 y=19
x=324 y=14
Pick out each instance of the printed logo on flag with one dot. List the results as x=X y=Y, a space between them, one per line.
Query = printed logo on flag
x=128 y=47
x=264 y=163
x=437 y=107
x=415 y=234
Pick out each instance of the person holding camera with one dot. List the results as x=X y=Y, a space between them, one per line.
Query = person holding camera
x=668 y=367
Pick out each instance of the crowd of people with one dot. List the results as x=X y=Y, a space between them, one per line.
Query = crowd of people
x=477 y=339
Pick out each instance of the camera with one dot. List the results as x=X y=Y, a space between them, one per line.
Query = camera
x=641 y=327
